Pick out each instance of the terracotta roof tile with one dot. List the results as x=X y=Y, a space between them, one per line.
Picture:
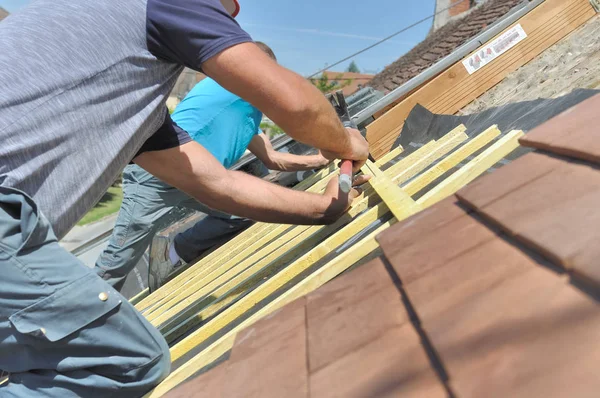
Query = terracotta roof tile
x=207 y=385
x=269 y=360
x=467 y=276
x=356 y=309
x=253 y=338
x=455 y=307
x=440 y=44
x=413 y=229
x=505 y=180
x=556 y=213
x=393 y=365
x=570 y=134
x=437 y=247
x=478 y=339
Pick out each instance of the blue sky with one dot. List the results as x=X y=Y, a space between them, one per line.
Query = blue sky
x=308 y=34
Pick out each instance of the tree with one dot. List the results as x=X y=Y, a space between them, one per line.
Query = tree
x=271 y=129
x=353 y=67
x=326 y=86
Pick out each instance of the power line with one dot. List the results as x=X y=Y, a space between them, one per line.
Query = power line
x=388 y=37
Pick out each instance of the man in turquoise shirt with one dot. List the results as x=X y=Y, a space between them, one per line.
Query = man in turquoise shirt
x=226 y=126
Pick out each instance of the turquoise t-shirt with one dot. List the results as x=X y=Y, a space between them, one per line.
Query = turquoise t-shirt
x=219 y=120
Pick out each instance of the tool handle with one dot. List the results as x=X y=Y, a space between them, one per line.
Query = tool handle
x=346 y=176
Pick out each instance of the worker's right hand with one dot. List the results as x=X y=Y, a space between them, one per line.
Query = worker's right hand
x=358 y=152
x=340 y=201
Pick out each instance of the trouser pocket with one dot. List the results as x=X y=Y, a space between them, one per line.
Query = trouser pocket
x=22 y=226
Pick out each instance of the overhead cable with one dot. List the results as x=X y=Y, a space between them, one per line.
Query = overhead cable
x=387 y=38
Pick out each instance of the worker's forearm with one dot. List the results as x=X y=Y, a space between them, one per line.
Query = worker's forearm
x=286 y=97
x=289 y=162
x=247 y=196
x=191 y=168
x=310 y=117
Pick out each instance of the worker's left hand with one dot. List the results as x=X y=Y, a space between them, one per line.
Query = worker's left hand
x=340 y=201
x=322 y=161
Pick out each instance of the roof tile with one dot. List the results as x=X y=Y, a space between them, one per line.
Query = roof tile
x=394 y=365
x=555 y=214
x=575 y=134
x=441 y=43
x=478 y=339
x=359 y=307
x=404 y=234
x=437 y=247
x=269 y=358
x=466 y=277
x=207 y=385
x=501 y=182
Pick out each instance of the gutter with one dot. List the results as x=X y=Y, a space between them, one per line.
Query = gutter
x=513 y=16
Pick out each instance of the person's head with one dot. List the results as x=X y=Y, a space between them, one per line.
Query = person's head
x=266 y=49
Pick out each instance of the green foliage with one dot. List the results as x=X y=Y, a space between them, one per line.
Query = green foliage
x=325 y=85
x=109 y=204
x=353 y=67
x=271 y=129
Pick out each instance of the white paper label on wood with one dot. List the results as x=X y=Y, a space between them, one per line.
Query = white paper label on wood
x=490 y=52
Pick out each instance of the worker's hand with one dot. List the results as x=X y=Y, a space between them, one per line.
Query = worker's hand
x=321 y=161
x=359 y=150
x=340 y=201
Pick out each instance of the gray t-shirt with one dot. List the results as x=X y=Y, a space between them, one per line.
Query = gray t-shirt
x=82 y=88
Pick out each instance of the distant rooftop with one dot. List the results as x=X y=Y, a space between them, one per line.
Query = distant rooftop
x=442 y=42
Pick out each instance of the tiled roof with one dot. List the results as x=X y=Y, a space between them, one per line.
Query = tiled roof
x=357 y=80
x=441 y=43
x=492 y=292
x=3 y=13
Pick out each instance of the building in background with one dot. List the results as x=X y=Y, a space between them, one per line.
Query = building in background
x=464 y=21
x=447 y=10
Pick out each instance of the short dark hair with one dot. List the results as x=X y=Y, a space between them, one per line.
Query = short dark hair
x=266 y=49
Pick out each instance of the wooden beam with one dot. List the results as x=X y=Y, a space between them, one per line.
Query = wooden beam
x=389 y=156
x=198 y=287
x=140 y=296
x=234 y=246
x=270 y=286
x=455 y=88
x=313 y=179
x=315 y=280
x=399 y=202
x=473 y=169
x=239 y=247
x=444 y=145
x=401 y=172
x=175 y=321
x=415 y=186
x=332 y=269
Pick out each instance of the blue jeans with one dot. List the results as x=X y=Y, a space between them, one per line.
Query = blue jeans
x=146 y=202
x=64 y=332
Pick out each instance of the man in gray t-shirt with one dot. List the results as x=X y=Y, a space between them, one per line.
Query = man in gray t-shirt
x=84 y=85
